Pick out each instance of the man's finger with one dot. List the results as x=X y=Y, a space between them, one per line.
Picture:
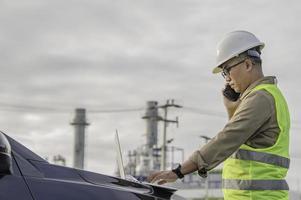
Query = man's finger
x=161 y=182
x=160 y=176
x=155 y=179
x=152 y=176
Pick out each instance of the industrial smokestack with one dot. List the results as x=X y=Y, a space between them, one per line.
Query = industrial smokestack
x=79 y=124
x=151 y=117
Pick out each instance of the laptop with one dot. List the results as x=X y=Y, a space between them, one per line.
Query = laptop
x=122 y=171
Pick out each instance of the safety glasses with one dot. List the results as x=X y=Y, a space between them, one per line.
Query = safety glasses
x=226 y=70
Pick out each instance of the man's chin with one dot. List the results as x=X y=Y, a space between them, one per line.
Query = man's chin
x=237 y=90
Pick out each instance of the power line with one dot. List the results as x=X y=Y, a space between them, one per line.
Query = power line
x=204 y=112
x=35 y=108
x=31 y=108
x=26 y=108
x=116 y=110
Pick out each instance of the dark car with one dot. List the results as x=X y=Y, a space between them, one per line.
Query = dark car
x=26 y=176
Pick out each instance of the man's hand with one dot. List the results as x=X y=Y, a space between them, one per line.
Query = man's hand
x=162 y=177
x=231 y=106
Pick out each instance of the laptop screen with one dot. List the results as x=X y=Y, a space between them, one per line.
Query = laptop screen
x=119 y=156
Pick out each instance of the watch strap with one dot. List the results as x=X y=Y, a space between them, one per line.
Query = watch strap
x=178 y=172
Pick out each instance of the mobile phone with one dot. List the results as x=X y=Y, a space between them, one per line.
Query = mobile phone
x=230 y=93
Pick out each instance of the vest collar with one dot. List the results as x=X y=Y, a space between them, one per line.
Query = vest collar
x=264 y=80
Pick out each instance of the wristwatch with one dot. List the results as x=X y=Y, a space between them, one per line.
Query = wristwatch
x=203 y=172
x=178 y=172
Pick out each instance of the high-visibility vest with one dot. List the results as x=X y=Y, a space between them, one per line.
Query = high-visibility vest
x=259 y=173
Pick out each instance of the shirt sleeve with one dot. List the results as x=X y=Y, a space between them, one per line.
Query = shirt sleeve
x=254 y=110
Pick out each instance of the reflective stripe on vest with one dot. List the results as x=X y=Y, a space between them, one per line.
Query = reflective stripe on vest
x=262 y=157
x=255 y=184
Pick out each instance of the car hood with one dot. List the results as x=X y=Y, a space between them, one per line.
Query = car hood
x=134 y=186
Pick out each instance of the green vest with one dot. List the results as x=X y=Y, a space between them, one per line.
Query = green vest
x=259 y=174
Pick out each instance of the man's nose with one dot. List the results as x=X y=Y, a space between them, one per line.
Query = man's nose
x=228 y=79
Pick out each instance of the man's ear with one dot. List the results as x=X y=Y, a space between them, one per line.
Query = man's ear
x=249 y=64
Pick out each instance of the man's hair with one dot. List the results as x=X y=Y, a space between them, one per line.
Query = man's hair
x=254 y=55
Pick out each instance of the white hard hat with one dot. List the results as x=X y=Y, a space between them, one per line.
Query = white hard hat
x=233 y=44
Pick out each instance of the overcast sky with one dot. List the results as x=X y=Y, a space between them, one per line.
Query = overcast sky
x=106 y=55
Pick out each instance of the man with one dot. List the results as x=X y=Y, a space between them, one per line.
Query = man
x=255 y=142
